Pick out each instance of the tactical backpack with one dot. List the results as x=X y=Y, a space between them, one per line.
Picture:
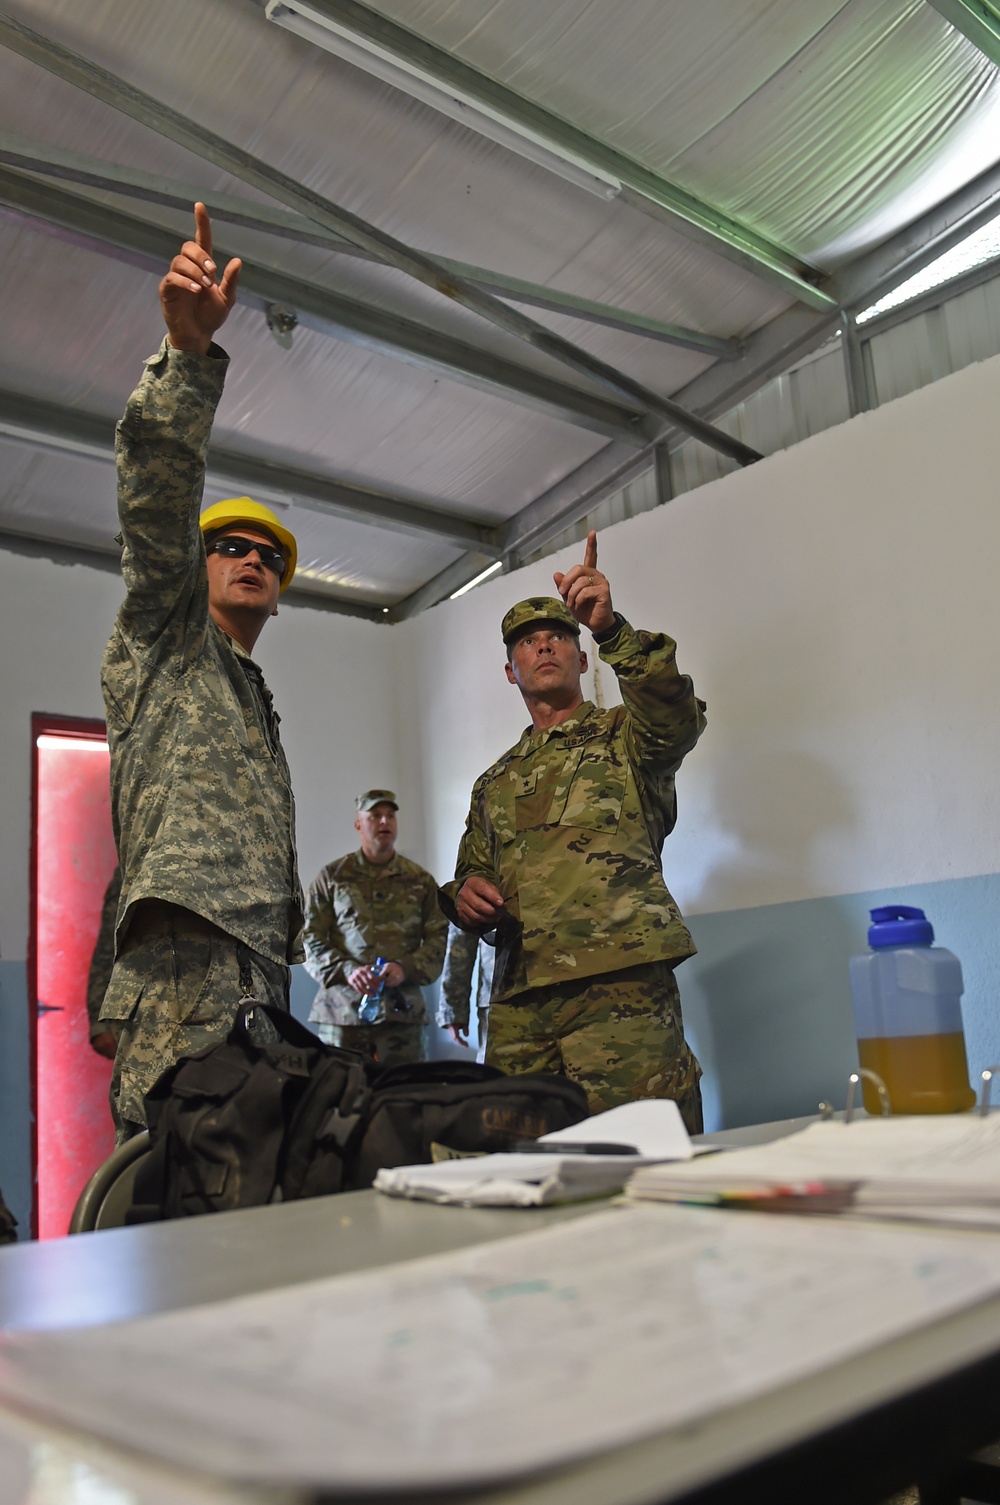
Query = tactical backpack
x=252 y=1121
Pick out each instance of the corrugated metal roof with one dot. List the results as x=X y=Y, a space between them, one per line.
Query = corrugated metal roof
x=821 y=127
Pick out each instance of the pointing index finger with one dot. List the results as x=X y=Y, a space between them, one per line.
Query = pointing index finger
x=590 y=557
x=203 y=229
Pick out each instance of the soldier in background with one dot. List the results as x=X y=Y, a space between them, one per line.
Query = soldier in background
x=561 y=856
x=374 y=903
x=103 y=1037
x=466 y=954
x=201 y=799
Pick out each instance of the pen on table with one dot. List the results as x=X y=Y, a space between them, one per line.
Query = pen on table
x=592 y=1147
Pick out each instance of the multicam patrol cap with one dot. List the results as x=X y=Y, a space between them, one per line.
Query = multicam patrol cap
x=373 y=797
x=537 y=609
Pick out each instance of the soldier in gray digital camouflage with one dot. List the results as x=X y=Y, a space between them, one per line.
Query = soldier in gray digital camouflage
x=561 y=856
x=211 y=909
x=374 y=903
x=468 y=961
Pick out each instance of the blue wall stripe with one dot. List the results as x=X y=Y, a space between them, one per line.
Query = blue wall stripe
x=767 y=1001
x=15 y=1097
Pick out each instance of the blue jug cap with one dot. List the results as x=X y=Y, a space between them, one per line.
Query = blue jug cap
x=899 y=925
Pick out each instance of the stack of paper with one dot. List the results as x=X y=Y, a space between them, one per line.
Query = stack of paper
x=510 y=1180
x=940 y=1169
x=632 y=1135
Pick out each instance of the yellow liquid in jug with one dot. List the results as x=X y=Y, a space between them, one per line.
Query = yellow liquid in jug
x=922 y=1073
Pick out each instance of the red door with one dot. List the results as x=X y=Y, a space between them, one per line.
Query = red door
x=73 y=859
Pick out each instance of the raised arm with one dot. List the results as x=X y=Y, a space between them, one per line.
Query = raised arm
x=667 y=718
x=162 y=441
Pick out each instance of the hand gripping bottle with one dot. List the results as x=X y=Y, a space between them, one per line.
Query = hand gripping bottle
x=908 y=1015
x=371 y=1003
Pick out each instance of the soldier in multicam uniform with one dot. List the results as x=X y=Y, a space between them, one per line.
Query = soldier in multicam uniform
x=374 y=903
x=210 y=909
x=561 y=855
x=466 y=954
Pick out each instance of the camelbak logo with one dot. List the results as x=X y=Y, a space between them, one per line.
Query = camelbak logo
x=512 y=1123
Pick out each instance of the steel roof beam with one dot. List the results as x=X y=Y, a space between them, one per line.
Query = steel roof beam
x=870 y=276
x=537 y=295
x=33 y=421
x=558 y=508
x=38 y=546
x=101 y=84
x=858 y=284
x=129 y=182
x=642 y=188
x=570 y=499
x=976 y=19
x=439 y=588
x=790 y=337
x=768 y=352
x=934 y=297
x=151 y=247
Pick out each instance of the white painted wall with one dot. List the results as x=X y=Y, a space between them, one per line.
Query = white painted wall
x=837 y=605
x=54 y=622
x=331 y=680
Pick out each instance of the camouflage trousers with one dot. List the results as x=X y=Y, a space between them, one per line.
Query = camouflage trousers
x=620 y=1035
x=389 y=1044
x=175 y=988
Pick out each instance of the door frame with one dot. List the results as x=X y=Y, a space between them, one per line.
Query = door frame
x=43 y=725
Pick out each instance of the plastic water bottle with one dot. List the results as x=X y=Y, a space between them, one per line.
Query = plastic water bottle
x=371 y=1003
x=908 y=1015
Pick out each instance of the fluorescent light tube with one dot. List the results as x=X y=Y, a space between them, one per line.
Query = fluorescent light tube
x=315 y=27
x=981 y=246
x=484 y=575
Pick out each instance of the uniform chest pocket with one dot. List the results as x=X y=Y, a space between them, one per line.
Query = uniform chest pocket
x=216 y=714
x=498 y=799
x=347 y=910
x=591 y=791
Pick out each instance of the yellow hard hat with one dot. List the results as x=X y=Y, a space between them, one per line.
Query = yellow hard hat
x=240 y=509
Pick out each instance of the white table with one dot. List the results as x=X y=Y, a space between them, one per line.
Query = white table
x=852 y=1433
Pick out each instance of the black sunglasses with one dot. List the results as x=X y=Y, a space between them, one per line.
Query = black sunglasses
x=234 y=547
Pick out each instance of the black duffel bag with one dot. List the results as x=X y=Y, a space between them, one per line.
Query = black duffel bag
x=421 y=1113
x=256 y=1120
